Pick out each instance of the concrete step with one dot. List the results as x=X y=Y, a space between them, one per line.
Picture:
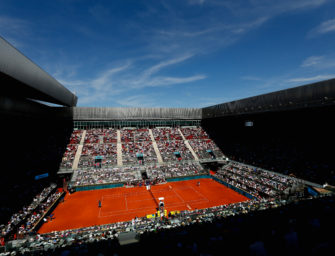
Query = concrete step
x=154 y=144
x=77 y=157
x=188 y=146
x=119 y=154
x=82 y=140
x=79 y=150
x=118 y=135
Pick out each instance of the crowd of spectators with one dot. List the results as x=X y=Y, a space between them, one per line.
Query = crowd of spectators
x=203 y=146
x=110 y=135
x=127 y=135
x=108 y=153
x=206 y=149
x=71 y=149
x=69 y=155
x=93 y=136
x=106 y=175
x=37 y=214
x=90 y=151
x=259 y=183
x=194 y=133
x=28 y=213
x=131 y=175
x=279 y=155
x=174 y=170
x=76 y=137
x=174 y=150
x=142 y=135
x=280 y=182
x=166 y=133
x=137 y=147
x=138 y=153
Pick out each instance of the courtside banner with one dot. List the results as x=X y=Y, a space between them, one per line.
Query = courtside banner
x=41 y=176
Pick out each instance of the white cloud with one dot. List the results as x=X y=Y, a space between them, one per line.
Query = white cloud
x=147 y=77
x=123 y=79
x=138 y=101
x=154 y=69
x=317 y=63
x=312 y=61
x=324 y=28
x=104 y=80
x=302 y=4
x=311 y=79
x=228 y=22
x=164 y=81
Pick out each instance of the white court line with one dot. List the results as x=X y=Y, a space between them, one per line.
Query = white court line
x=179 y=196
x=189 y=207
x=205 y=198
x=135 y=193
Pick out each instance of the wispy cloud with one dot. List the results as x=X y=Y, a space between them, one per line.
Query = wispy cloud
x=228 y=22
x=138 y=100
x=317 y=63
x=324 y=28
x=310 y=79
x=154 y=69
x=124 y=79
x=164 y=81
x=105 y=79
x=312 y=61
x=148 y=77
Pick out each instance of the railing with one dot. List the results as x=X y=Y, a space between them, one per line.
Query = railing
x=98 y=186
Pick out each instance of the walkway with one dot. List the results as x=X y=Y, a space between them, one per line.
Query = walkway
x=188 y=146
x=154 y=144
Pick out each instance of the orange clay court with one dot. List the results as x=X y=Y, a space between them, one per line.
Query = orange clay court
x=123 y=204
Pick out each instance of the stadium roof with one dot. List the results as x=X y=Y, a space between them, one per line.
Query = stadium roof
x=311 y=95
x=21 y=78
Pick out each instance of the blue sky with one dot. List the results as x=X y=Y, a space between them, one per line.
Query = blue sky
x=174 y=53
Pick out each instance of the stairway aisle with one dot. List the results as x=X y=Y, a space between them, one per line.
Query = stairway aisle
x=188 y=146
x=119 y=149
x=79 y=151
x=158 y=154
